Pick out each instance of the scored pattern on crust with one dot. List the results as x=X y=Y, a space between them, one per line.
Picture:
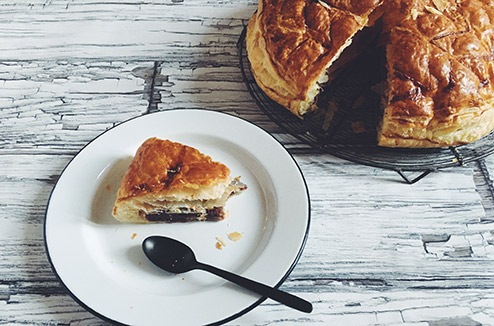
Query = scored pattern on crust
x=163 y=166
x=303 y=36
x=440 y=96
x=352 y=104
x=440 y=55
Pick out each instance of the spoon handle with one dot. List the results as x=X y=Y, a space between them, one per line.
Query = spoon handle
x=270 y=292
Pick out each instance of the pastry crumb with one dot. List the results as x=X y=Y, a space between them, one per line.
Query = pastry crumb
x=221 y=241
x=134 y=235
x=108 y=187
x=219 y=246
x=234 y=236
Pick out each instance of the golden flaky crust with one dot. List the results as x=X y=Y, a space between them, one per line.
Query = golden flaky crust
x=440 y=76
x=439 y=58
x=164 y=167
x=169 y=175
x=291 y=44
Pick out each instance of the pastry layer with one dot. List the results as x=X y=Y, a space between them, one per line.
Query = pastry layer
x=291 y=44
x=167 y=181
x=439 y=57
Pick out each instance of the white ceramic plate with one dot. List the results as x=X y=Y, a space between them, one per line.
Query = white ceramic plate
x=100 y=260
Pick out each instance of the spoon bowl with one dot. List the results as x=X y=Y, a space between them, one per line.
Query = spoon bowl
x=169 y=254
x=176 y=257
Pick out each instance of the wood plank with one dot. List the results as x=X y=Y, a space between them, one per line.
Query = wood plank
x=352 y=250
x=340 y=308
x=379 y=229
x=58 y=106
x=380 y=252
x=130 y=30
x=378 y=308
x=485 y=171
x=218 y=88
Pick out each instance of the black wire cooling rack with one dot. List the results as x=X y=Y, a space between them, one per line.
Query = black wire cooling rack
x=346 y=128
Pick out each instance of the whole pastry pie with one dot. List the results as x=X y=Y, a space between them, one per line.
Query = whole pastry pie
x=439 y=58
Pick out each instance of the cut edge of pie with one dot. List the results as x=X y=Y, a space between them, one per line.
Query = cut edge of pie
x=299 y=98
x=171 y=182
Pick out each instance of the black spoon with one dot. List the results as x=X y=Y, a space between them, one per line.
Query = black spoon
x=176 y=257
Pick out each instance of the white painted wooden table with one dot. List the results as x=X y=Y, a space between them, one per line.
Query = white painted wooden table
x=380 y=252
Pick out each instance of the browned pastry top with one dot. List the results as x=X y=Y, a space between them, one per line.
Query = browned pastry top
x=440 y=55
x=360 y=8
x=162 y=166
x=440 y=75
x=303 y=36
x=441 y=61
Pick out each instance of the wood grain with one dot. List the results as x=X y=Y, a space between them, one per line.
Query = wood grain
x=380 y=252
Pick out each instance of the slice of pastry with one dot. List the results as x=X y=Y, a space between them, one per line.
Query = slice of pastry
x=171 y=182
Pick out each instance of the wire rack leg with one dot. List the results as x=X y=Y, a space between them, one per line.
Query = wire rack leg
x=414 y=180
